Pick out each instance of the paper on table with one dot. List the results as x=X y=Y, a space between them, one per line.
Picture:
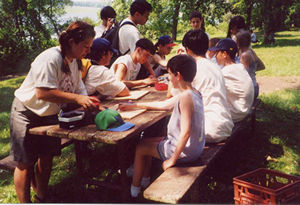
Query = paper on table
x=133 y=95
x=129 y=114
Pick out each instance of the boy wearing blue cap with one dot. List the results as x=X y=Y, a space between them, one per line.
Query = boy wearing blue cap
x=239 y=86
x=163 y=47
x=185 y=139
x=127 y=67
x=98 y=77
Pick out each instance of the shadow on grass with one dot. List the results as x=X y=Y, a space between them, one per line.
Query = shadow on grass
x=6 y=95
x=279 y=42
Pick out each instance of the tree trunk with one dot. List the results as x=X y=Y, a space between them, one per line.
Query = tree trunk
x=249 y=5
x=268 y=21
x=175 y=20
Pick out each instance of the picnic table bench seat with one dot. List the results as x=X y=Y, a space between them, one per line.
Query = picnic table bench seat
x=9 y=164
x=181 y=182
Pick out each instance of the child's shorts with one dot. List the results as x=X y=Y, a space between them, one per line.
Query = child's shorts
x=27 y=148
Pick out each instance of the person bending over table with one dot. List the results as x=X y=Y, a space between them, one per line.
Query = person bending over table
x=185 y=139
x=54 y=78
x=127 y=67
x=98 y=78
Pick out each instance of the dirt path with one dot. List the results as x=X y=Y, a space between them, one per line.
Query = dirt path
x=270 y=84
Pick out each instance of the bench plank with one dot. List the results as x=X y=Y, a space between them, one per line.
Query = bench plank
x=165 y=188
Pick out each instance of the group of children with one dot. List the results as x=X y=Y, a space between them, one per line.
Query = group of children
x=207 y=96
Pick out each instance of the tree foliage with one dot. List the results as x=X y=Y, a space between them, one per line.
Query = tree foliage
x=26 y=27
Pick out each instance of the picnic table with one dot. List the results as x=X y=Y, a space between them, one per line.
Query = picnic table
x=89 y=133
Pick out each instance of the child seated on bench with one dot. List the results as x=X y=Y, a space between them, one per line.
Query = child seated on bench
x=185 y=139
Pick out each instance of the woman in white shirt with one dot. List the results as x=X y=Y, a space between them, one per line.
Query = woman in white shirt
x=54 y=78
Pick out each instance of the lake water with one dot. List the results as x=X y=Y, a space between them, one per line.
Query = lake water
x=81 y=12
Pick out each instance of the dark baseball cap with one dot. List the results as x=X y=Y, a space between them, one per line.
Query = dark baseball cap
x=100 y=44
x=166 y=40
x=228 y=45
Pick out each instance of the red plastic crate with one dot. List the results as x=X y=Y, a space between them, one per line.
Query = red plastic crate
x=264 y=186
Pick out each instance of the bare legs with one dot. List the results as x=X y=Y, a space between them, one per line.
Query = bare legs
x=145 y=150
x=24 y=175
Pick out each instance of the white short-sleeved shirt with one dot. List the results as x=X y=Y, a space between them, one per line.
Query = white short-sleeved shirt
x=239 y=90
x=101 y=79
x=132 y=68
x=210 y=83
x=45 y=72
x=128 y=36
x=99 y=30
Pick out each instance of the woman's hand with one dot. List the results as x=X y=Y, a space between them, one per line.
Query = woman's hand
x=168 y=163
x=88 y=102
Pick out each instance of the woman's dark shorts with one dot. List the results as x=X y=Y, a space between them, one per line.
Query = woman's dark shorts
x=26 y=148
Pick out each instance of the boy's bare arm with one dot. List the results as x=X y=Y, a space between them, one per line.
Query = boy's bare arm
x=120 y=71
x=186 y=107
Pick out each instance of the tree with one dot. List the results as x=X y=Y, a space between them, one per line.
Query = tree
x=26 y=27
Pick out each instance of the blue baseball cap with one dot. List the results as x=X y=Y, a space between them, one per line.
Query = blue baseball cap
x=100 y=44
x=111 y=120
x=226 y=44
x=166 y=40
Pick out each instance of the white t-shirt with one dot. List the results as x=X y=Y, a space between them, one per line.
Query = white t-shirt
x=101 y=79
x=239 y=90
x=99 y=30
x=128 y=36
x=210 y=83
x=45 y=72
x=132 y=69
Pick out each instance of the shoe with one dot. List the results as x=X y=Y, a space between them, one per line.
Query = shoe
x=129 y=171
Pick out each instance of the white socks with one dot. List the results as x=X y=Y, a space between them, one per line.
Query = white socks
x=134 y=191
x=145 y=182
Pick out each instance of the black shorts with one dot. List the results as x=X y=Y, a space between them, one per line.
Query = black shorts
x=26 y=148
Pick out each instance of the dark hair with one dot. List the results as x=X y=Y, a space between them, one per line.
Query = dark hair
x=185 y=65
x=238 y=22
x=213 y=42
x=146 y=44
x=107 y=12
x=140 y=6
x=196 y=41
x=197 y=14
x=243 y=39
x=78 y=31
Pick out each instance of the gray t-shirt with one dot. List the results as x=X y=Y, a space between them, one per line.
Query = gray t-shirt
x=196 y=141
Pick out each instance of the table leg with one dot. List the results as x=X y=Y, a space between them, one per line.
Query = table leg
x=122 y=157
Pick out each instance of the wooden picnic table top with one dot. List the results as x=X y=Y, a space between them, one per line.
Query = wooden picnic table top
x=90 y=132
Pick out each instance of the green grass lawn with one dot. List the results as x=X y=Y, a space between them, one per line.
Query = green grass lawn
x=275 y=144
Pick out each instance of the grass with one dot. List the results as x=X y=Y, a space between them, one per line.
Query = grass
x=275 y=144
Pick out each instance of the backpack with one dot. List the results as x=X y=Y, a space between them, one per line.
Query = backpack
x=112 y=35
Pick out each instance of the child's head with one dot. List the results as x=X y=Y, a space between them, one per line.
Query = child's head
x=144 y=48
x=226 y=50
x=196 y=41
x=140 y=10
x=165 y=44
x=235 y=25
x=197 y=21
x=183 y=64
x=101 y=49
x=243 y=39
x=107 y=12
x=212 y=43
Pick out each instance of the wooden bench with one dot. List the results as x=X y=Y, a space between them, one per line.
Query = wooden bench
x=9 y=164
x=174 y=183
